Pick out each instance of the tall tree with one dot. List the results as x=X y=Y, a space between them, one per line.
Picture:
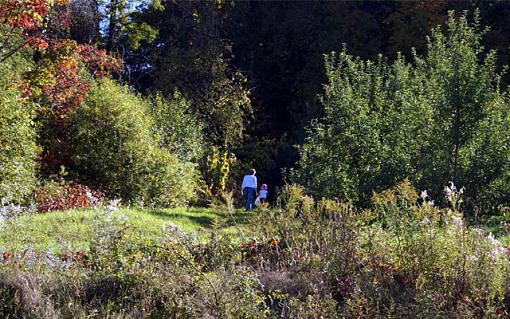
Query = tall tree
x=189 y=54
x=426 y=120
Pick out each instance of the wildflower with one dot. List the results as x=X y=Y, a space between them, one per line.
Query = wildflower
x=473 y=258
x=498 y=248
x=424 y=194
x=122 y=218
x=491 y=239
x=449 y=190
x=478 y=232
x=503 y=250
x=454 y=196
x=458 y=221
x=172 y=228
x=113 y=206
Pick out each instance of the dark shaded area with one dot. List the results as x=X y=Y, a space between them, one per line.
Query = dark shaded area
x=196 y=215
x=280 y=47
x=207 y=50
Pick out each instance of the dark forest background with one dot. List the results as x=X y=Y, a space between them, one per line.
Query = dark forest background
x=270 y=51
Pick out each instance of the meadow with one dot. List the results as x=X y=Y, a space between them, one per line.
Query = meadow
x=404 y=257
x=72 y=229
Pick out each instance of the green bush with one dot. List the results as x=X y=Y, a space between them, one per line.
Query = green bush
x=178 y=127
x=117 y=151
x=18 y=149
x=440 y=118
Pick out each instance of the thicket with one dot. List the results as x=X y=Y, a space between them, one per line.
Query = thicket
x=404 y=257
x=177 y=126
x=441 y=117
x=18 y=149
x=117 y=149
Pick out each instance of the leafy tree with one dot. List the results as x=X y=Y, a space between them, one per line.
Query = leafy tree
x=116 y=150
x=431 y=120
x=59 y=82
x=462 y=87
x=366 y=139
x=18 y=149
x=179 y=130
x=189 y=54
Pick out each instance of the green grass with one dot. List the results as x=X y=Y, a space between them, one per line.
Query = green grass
x=73 y=229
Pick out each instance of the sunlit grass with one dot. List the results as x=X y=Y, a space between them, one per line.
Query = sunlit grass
x=74 y=229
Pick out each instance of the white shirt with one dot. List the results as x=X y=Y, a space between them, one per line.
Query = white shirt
x=249 y=181
x=263 y=193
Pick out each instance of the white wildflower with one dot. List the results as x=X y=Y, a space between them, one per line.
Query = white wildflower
x=458 y=221
x=478 y=232
x=503 y=250
x=454 y=196
x=113 y=206
x=473 y=258
x=498 y=248
x=170 y=227
x=122 y=218
x=493 y=240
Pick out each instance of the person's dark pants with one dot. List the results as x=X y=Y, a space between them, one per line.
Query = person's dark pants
x=250 y=193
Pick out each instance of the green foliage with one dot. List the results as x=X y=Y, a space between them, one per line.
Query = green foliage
x=402 y=258
x=180 y=131
x=189 y=54
x=124 y=277
x=18 y=149
x=436 y=120
x=217 y=170
x=437 y=265
x=116 y=150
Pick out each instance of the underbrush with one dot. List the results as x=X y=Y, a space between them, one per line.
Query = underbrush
x=403 y=258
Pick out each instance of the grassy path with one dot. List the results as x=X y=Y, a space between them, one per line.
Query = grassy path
x=73 y=229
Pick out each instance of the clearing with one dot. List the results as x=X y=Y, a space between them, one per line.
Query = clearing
x=73 y=229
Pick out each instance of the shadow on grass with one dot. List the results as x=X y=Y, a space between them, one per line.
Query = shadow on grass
x=204 y=217
x=241 y=217
x=199 y=218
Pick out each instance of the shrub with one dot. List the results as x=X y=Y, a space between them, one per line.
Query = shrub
x=62 y=196
x=18 y=149
x=422 y=261
x=179 y=129
x=217 y=170
x=119 y=277
x=440 y=118
x=402 y=258
x=116 y=150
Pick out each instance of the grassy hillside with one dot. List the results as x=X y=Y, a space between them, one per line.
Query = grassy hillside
x=73 y=229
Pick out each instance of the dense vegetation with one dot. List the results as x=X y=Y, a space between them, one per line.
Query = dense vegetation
x=394 y=147
x=440 y=118
x=403 y=258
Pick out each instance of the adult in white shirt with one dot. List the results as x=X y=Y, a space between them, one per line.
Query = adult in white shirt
x=249 y=187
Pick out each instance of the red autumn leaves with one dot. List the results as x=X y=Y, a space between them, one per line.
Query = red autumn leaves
x=58 y=81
